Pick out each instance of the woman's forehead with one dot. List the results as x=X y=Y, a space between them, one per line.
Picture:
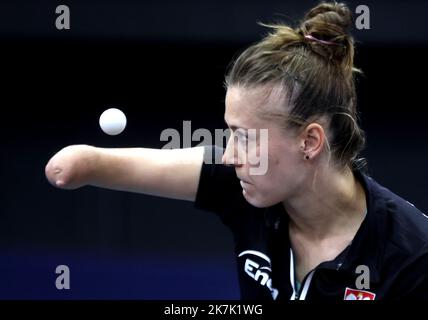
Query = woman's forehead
x=269 y=95
x=248 y=105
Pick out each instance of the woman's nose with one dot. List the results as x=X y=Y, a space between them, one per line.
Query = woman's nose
x=231 y=156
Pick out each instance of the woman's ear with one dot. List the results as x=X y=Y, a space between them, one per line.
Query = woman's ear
x=312 y=140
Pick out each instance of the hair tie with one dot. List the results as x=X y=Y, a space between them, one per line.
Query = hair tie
x=310 y=37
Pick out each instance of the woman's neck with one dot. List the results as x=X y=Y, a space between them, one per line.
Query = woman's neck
x=334 y=203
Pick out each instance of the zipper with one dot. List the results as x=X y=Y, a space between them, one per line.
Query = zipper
x=305 y=286
x=301 y=295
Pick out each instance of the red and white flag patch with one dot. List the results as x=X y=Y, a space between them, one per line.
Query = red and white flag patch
x=354 y=294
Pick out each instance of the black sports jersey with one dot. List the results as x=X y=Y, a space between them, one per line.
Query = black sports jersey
x=391 y=243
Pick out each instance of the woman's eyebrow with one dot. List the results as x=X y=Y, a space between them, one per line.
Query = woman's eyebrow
x=234 y=127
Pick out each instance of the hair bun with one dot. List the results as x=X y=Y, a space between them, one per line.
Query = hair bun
x=329 y=22
x=330 y=12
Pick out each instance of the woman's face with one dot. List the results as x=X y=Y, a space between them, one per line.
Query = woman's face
x=286 y=170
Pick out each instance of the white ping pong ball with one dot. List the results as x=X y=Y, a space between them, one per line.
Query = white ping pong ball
x=112 y=121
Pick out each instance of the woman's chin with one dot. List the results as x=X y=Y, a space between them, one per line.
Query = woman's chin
x=255 y=200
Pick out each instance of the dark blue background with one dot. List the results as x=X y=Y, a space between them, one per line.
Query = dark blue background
x=162 y=63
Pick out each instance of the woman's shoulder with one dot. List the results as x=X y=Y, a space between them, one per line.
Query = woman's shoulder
x=406 y=226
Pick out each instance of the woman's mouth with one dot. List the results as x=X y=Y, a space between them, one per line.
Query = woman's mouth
x=244 y=183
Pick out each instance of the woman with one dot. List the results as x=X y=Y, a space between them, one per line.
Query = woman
x=313 y=226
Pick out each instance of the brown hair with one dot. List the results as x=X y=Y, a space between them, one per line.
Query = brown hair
x=313 y=63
